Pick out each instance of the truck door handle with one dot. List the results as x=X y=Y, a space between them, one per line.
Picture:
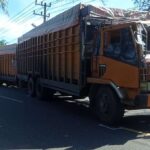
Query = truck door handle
x=102 y=70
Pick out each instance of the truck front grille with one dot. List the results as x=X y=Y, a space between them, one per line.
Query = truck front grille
x=145 y=73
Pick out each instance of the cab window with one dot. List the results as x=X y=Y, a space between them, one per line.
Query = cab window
x=119 y=45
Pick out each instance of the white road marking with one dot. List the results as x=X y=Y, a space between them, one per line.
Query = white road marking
x=110 y=128
x=11 y=99
x=132 y=130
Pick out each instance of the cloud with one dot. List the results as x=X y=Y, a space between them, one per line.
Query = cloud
x=11 y=30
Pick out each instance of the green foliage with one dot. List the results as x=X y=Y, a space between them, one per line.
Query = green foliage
x=3 y=42
x=142 y=4
x=3 y=5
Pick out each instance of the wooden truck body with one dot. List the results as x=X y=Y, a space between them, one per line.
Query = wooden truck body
x=8 y=63
x=55 y=54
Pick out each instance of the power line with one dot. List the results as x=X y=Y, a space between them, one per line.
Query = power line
x=20 y=13
x=22 y=16
x=17 y=16
x=20 y=20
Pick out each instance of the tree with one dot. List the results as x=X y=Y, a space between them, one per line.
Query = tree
x=142 y=4
x=3 y=5
x=3 y=42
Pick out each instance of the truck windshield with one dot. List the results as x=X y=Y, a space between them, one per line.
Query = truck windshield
x=119 y=45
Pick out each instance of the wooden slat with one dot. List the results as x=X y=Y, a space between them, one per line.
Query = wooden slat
x=55 y=56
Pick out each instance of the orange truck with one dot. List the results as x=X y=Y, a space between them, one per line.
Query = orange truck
x=8 y=64
x=86 y=51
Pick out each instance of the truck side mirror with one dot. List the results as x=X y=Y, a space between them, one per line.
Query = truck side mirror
x=138 y=38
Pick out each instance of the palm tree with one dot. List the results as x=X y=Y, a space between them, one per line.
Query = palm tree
x=3 y=5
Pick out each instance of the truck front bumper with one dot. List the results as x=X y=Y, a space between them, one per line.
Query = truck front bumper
x=142 y=101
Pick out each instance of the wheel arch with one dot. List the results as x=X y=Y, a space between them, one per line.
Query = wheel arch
x=118 y=92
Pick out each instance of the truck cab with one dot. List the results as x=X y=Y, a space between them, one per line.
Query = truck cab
x=120 y=69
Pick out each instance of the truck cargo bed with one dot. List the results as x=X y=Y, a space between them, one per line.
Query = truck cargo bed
x=8 y=63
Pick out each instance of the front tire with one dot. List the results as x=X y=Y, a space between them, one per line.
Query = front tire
x=108 y=106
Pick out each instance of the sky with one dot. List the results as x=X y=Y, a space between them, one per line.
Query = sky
x=21 y=18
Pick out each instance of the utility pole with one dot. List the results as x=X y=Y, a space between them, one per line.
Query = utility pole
x=43 y=14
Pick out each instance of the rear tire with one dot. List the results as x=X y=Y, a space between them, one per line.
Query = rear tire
x=108 y=106
x=50 y=94
x=19 y=83
x=1 y=82
x=43 y=93
x=40 y=90
x=31 y=87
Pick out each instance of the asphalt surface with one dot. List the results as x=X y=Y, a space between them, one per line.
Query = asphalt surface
x=27 y=123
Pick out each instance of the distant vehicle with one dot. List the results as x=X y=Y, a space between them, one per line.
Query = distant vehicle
x=86 y=52
x=8 y=64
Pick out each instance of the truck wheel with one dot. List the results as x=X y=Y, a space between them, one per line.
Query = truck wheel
x=31 y=87
x=50 y=93
x=19 y=83
x=1 y=83
x=43 y=93
x=92 y=94
x=40 y=93
x=108 y=107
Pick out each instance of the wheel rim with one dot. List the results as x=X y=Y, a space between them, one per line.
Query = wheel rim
x=104 y=104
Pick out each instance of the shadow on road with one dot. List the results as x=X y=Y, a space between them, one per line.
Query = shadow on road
x=137 y=122
x=58 y=124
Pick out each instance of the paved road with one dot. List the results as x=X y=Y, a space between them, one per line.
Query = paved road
x=26 y=123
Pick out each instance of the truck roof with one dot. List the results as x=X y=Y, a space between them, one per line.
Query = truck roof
x=8 y=49
x=71 y=17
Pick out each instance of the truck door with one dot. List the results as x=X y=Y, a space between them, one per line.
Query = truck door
x=92 y=45
x=96 y=51
x=119 y=58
